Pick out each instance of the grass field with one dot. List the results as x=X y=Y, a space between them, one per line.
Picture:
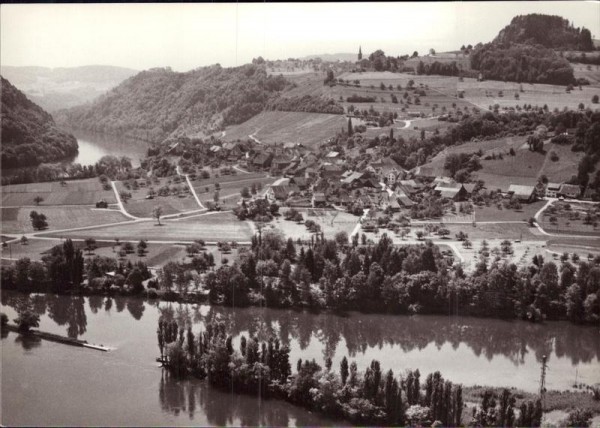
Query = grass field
x=35 y=249
x=331 y=222
x=139 y=206
x=16 y=220
x=211 y=227
x=592 y=74
x=78 y=192
x=272 y=127
x=535 y=94
x=492 y=213
x=571 y=220
x=156 y=254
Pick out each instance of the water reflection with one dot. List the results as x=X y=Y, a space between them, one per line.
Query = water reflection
x=189 y=397
x=360 y=333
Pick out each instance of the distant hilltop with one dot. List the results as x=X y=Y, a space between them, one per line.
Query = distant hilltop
x=549 y=31
x=333 y=57
x=64 y=87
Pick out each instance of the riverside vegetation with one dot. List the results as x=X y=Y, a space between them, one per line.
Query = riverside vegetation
x=332 y=274
x=370 y=398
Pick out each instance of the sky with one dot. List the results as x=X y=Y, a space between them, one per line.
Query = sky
x=187 y=36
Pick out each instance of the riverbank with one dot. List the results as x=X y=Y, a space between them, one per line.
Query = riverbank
x=56 y=338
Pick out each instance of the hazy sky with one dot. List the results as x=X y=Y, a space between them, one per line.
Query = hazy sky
x=186 y=36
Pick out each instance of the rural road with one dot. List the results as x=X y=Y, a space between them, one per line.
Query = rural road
x=120 y=203
x=256 y=140
x=189 y=183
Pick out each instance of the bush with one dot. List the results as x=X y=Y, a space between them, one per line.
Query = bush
x=579 y=418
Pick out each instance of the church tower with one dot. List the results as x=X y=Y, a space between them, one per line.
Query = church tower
x=359 y=53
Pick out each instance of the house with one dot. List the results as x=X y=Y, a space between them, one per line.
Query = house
x=552 y=190
x=319 y=200
x=457 y=193
x=332 y=155
x=280 y=162
x=352 y=178
x=522 y=193
x=301 y=182
x=262 y=160
x=280 y=192
x=405 y=200
x=569 y=191
x=331 y=171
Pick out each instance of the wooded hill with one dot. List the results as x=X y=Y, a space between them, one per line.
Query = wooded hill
x=525 y=50
x=550 y=31
x=159 y=103
x=29 y=135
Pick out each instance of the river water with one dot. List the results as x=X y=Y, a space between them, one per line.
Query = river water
x=93 y=145
x=45 y=383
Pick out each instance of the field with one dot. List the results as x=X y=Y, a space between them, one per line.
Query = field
x=139 y=206
x=497 y=146
x=272 y=127
x=569 y=218
x=212 y=227
x=331 y=222
x=16 y=220
x=156 y=254
x=492 y=213
x=487 y=93
x=79 y=192
x=230 y=187
x=35 y=249
x=592 y=74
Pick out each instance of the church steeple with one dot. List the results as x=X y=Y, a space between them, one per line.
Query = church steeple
x=359 y=53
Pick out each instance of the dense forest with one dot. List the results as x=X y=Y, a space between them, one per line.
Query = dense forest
x=158 y=103
x=549 y=31
x=29 y=134
x=521 y=63
x=306 y=103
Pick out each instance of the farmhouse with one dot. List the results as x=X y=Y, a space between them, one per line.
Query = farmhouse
x=522 y=193
x=570 y=191
x=331 y=171
x=262 y=160
x=280 y=192
x=456 y=193
x=552 y=190
x=319 y=200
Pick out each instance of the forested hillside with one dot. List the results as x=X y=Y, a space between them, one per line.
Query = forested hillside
x=159 y=103
x=521 y=63
x=547 y=30
x=29 y=135
x=526 y=50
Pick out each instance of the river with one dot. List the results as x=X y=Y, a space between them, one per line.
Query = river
x=93 y=145
x=45 y=383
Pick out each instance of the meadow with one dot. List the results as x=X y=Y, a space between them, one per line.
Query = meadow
x=139 y=206
x=17 y=220
x=76 y=192
x=212 y=227
x=270 y=127
x=331 y=223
